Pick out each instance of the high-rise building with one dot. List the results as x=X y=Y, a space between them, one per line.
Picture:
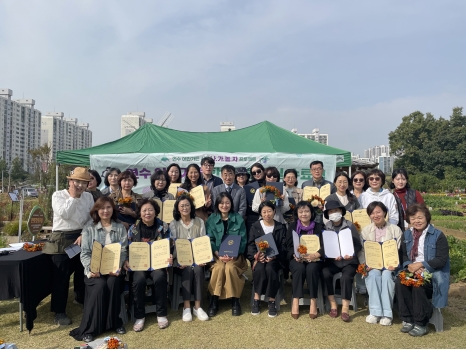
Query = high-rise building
x=19 y=129
x=227 y=126
x=132 y=121
x=63 y=134
x=386 y=163
x=375 y=152
x=314 y=136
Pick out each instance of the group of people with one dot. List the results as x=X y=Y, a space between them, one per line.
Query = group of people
x=83 y=214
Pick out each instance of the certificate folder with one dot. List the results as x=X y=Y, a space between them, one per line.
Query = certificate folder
x=149 y=256
x=360 y=216
x=272 y=250
x=192 y=252
x=311 y=242
x=72 y=250
x=338 y=244
x=230 y=246
x=105 y=258
x=271 y=197
x=381 y=255
x=323 y=192
x=250 y=193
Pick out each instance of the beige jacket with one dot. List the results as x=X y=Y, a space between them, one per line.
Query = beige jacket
x=368 y=234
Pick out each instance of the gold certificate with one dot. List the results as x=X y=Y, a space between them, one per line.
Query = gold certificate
x=310 y=191
x=202 y=250
x=173 y=188
x=96 y=256
x=167 y=212
x=139 y=256
x=311 y=242
x=325 y=191
x=160 y=252
x=348 y=216
x=390 y=254
x=198 y=195
x=360 y=216
x=159 y=202
x=184 y=253
x=373 y=254
x=110 y=258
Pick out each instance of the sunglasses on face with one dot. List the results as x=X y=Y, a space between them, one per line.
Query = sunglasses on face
x=270 y=176
x=257 y=172
x=358 y=179
x=374 y=178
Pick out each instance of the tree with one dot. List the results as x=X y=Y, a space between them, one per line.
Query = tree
x=430 y=146
x=17 y=171
x=43 y=166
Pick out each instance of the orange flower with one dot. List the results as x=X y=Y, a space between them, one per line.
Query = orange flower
x=302 y=249
x=33 y=247
x=358 y=227
x=262 y=246
x=125 y=201
x=187 y=194
x=362 y=269
x=413 y=280
x=114 y=343
x=271 y=189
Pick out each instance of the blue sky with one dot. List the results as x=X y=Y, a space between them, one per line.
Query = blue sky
x=351 y=68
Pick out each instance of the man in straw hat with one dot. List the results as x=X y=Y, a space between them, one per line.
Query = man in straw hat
x=71 y=210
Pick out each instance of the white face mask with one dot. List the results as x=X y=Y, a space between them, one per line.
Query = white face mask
x=335 y=217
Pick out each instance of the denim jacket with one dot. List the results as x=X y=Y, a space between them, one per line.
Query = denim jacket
x=96 y=232
x=440 y=276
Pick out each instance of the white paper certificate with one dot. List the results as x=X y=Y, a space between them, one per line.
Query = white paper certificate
x=331 y=244
x=346 y=242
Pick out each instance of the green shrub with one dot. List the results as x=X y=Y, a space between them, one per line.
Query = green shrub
x=11 y=228
x=457 y=258
x=3 y=241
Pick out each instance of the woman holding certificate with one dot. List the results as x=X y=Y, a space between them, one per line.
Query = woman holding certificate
x=266 y=265
x=149 y=228
x=160 y=181
x=341 y=256
x=192 y=180
x=425 y=255
x=376 y=193
x=125 y=199
x=307 y=265
x=227 y=280
x=103 y=289
x=381 y=242
x=187 y=226
x=272 y=175
x=295 y=194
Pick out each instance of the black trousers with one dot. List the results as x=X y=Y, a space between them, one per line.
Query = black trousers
x=192 y=281
x=63 y=267
x=102 y=306
x=305 y=271
x=159 y=277
x=346 y=282
x=265 y=277
x=414 y=304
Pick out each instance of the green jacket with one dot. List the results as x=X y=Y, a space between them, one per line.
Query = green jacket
x=236 y=226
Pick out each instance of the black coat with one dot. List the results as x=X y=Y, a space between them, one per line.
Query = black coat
x=279 y=233
x=290 y=245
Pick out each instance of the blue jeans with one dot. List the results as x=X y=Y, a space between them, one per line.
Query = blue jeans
x=381 y=288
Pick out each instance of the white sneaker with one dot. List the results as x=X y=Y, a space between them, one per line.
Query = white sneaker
x=187 y=317
x=386 y=321
x=200 y=314
x=372 y=319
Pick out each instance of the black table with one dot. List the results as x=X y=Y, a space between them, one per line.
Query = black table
x=27 y=276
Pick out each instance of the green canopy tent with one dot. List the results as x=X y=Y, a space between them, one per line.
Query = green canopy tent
x=263 y=138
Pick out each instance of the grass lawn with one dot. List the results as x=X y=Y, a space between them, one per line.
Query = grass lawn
x=246 y=331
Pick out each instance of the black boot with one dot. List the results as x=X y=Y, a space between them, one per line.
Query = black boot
x=235 y=307
x=213 y=307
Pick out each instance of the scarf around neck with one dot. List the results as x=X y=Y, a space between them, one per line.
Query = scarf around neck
x=308 y=230
x=414 y=251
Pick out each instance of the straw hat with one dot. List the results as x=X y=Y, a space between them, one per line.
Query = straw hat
x=79 y=173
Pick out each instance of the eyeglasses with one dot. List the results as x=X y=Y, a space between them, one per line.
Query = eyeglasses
x=374 y=178
x=207 y=165
x=358 y=179
x=317 y=169
x=148 y=211
x=257 y=172
x=79 y=182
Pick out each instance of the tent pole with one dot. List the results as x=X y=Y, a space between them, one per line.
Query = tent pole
x=56 y=177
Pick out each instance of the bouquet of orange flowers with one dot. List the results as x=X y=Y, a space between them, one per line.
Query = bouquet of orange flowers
x=185 y=193
x=30 y=247
x=302 y=249
x=292 y=206
x=412 y=279
x=362 y=270
x=271 y=189
x=262 y=246
x=358 y=227
x=127 y=201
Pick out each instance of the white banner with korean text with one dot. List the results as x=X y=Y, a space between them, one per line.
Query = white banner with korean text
x=143 y=165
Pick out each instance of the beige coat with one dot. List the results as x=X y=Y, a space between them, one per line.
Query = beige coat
x=368 y=234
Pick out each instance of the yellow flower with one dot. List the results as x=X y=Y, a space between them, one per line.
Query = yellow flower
x=315 y=203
